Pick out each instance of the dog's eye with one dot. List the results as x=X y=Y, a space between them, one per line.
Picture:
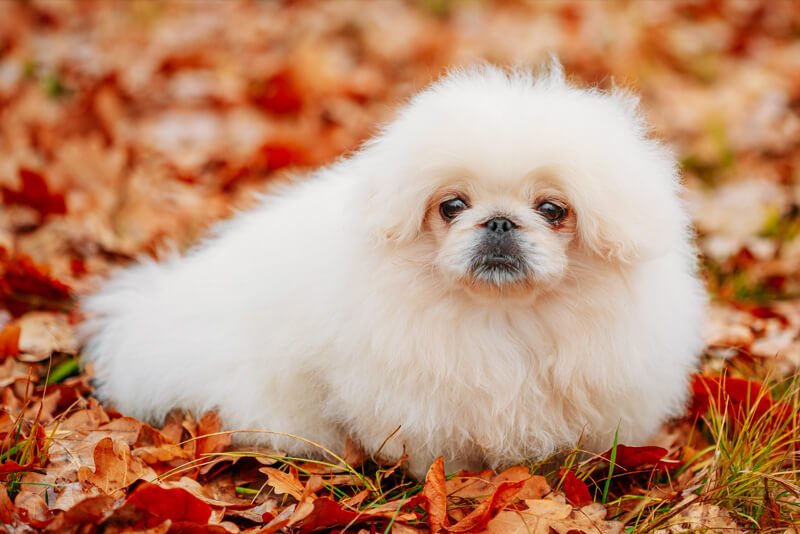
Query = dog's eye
x=551 y=211
x=450 y=208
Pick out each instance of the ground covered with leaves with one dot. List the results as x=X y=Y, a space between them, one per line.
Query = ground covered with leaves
x=129 y=127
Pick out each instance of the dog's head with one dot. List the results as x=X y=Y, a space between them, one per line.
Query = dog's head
x=506 y=182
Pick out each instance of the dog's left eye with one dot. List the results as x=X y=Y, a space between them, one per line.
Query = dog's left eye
x=450 y=208
x=551 y=211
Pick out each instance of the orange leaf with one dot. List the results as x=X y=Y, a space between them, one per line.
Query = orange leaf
x=435 y=494
x=114 y=467
x=503 y=495
x=209 y=424
x=9 y=340
x=283 y=483
x=6 y=507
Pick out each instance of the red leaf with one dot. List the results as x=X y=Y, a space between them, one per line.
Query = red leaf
x=326 y=514
x=435 y=495
x=278 y=154
x=10 y=466
x=175 y=504
x=35 y=194
x=635 y=457
x=25 y=286
x=576 y=490
x=739 y=393
x=278 y=94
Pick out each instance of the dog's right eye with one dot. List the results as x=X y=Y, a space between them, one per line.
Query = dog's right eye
x=450 y=208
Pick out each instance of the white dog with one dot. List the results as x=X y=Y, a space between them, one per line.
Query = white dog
x=502 y=272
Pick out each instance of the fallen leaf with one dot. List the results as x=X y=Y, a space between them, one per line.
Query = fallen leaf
x=89 y=511
x=174 y=504
x=208 y=438
x=25 y=286
x=435 y=495
x=283 y=483
x=631 y=458
x=326 y=513
x=699 y=517
x=576 y=490
x=9 y=340
x=6 y=507
x=35 y=193
x=32 y=508
x=115 y=467
x=503 y=495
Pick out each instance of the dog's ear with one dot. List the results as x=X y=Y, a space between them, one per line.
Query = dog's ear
x=396 y=208
x=632 y=218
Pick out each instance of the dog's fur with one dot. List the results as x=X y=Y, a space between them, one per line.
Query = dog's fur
x=349 y=305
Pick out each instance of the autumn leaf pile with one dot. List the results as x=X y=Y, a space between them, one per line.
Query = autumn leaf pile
x=127 y=128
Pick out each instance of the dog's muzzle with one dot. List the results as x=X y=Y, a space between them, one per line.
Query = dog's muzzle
x=498 y=256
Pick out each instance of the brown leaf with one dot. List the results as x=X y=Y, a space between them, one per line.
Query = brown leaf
x=115 y=468
x=43 y=333
x=32 y=508
x=152 y=446
x=435 y=495
x=553 y=516
x=354 y=455
x=89 y=511
x=326 y=514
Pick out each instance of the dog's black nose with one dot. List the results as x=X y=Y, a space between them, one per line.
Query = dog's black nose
x=499 y=225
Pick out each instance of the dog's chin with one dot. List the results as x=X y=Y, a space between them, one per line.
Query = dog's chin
x=500 y=275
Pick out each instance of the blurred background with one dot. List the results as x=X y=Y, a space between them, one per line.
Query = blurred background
x=128 y=125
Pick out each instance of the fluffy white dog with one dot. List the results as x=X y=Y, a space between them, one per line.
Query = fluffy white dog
x=503 y=271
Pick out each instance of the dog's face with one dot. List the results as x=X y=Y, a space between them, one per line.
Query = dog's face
x=501 y=236
x=509 y=184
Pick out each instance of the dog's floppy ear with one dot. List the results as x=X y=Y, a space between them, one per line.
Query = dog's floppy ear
x=396 y=207
x=634 y=216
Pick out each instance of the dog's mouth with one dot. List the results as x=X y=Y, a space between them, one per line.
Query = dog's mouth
x=499 y=268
